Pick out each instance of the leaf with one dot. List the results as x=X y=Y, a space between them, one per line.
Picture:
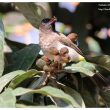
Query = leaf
x=17 y=80
x=83 y=67
x=27 y=106
x=54 y=92
x=75 y=95
x=32 y=12
x=89 y=92
x=24 y=58
x=36 y=83
x=88 y=99
x=7 y=99
x=93 y=45
x=103 y=61
x=15 y=46
x=2 y=35
x=106 y=96
x=4 y=80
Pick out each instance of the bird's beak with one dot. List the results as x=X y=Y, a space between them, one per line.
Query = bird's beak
x=52 y=20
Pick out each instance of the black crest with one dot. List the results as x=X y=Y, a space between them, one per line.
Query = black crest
x=46 y=20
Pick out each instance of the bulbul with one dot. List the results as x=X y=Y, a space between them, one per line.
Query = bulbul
x=50 y=38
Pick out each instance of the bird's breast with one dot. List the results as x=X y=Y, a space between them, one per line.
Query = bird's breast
x=47 y=40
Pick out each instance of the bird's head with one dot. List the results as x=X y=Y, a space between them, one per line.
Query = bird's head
x=48 y=24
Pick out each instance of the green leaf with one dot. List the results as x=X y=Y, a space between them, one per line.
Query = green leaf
x=4 y=80
x=7 y=99
x=24 y=58
x=88 y=99
x=76 y=96
x=36 y=83
x=82 y=67
x=32 y=12
x=89 y=91
x=106 y=96
x=27 y=106
x=2 y=35
x=103 y=61
x=15 y=46
x=54 y=92
x=93 y=45
x=17 y=80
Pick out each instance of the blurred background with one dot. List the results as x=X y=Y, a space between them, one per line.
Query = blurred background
x=89 y=20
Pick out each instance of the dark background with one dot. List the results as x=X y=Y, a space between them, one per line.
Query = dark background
x=84 y=14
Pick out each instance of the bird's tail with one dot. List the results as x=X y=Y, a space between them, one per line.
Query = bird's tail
x=101 y=80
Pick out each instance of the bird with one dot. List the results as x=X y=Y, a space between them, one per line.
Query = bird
x=50 y=38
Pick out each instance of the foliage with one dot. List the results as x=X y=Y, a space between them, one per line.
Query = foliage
x=23 y=84
x=33 y=13
x=2 y=35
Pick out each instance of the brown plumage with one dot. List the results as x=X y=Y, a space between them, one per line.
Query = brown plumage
x=49 y=38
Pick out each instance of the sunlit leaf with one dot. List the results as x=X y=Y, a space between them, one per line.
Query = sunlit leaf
x=2 y=35
x=54 y=92
x=27 y=106
x=17 y=80
x=7 y=99
x=82 y=67
x=4 y=80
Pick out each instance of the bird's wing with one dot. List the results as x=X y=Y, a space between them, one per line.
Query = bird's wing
x=66 y=41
